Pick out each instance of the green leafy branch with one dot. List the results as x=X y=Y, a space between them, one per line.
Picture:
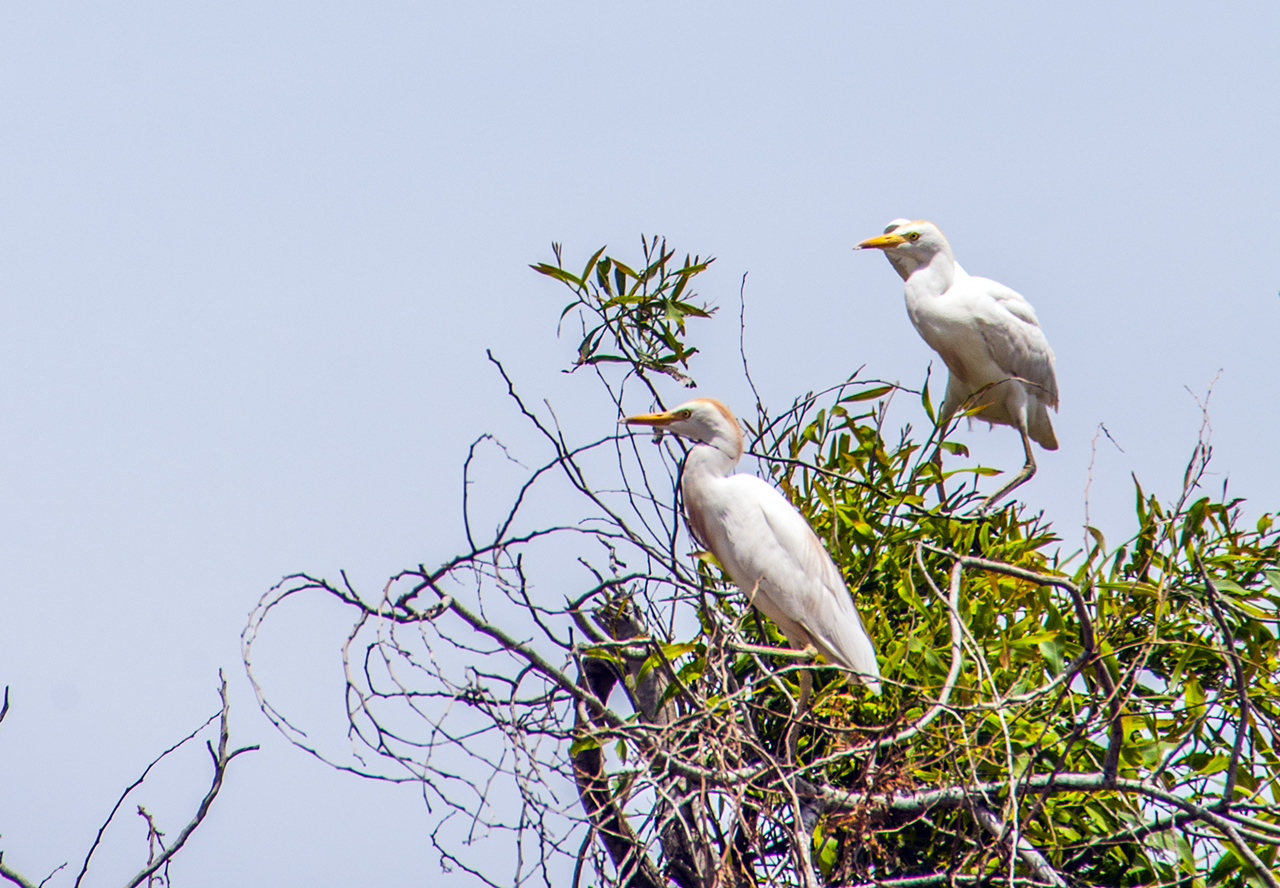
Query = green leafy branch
x=634 y=317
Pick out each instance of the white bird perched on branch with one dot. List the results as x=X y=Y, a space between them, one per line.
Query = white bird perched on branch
x=764 y=544
x=1000 y=361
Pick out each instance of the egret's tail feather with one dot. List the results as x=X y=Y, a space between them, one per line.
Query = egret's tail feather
x=856 y=653
x=1041 y=429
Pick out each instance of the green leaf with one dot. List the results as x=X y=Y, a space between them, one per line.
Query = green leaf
x=1098 y=538
x=1035 y=638
x=680 y=285
x=827 y=851
x=650 y=662
x=1193 y=693
x=591 y=263
x=602 y=275
x=603 y=653
x=557 y=273
x=1193 y=524
x=582 y=744
x=868 y=395
x=1052 y=649
x=926 y=402
x=623 y=299
x=975 y=470
x=693 y=311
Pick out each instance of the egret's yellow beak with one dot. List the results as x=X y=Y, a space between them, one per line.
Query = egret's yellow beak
x=881 y=242
x=652 y=419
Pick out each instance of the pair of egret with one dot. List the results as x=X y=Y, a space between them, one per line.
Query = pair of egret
x=1001 y=369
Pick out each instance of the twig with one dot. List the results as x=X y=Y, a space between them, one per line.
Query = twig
x=221 y=759
x=742 y=343
x=1028 y=853
x=84 y=867
x=1242 y=692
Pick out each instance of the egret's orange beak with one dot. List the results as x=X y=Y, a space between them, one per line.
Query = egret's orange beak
x=881 y=242
x=652 y=419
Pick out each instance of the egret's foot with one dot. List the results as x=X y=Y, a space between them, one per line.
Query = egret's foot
x=1028 y=470
x=1021 y=478
x=984 y=508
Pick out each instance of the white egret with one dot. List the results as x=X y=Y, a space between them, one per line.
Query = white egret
x=764 y=544
x=988 y=336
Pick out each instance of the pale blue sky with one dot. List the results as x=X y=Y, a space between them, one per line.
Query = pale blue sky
x=252 y=254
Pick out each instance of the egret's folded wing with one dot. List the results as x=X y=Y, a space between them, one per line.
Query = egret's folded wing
x=805 y=584
x=1012 y=332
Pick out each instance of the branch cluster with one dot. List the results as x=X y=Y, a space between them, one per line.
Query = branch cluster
x=585 y=687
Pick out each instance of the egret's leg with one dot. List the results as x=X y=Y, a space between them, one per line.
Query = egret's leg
x=806 y=691
x=944 y=422
x=802 y=706
x=1022 y=477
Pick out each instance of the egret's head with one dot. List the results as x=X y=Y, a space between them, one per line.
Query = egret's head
x=908 y=245
x=704 y=420
x=918 y=239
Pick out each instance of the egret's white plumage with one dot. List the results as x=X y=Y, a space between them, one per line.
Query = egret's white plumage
x=988 y=336
x=764 y=544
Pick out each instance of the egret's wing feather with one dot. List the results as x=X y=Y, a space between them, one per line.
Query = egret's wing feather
x=804 y=584
x=1012 y=332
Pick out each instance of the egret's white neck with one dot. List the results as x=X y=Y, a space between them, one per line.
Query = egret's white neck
x=716 y=459
x=935 y=277
x=903 y=265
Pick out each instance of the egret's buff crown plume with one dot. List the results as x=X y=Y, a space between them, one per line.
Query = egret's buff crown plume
x=763 y=542
x=1002 y=367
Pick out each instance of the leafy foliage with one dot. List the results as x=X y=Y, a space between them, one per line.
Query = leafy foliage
x=1175 y=611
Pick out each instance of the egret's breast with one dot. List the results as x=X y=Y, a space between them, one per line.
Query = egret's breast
x=955 y=333
x=713 y=519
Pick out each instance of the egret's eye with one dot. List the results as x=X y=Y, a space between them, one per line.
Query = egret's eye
x=915 y=235
x=685 y=414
